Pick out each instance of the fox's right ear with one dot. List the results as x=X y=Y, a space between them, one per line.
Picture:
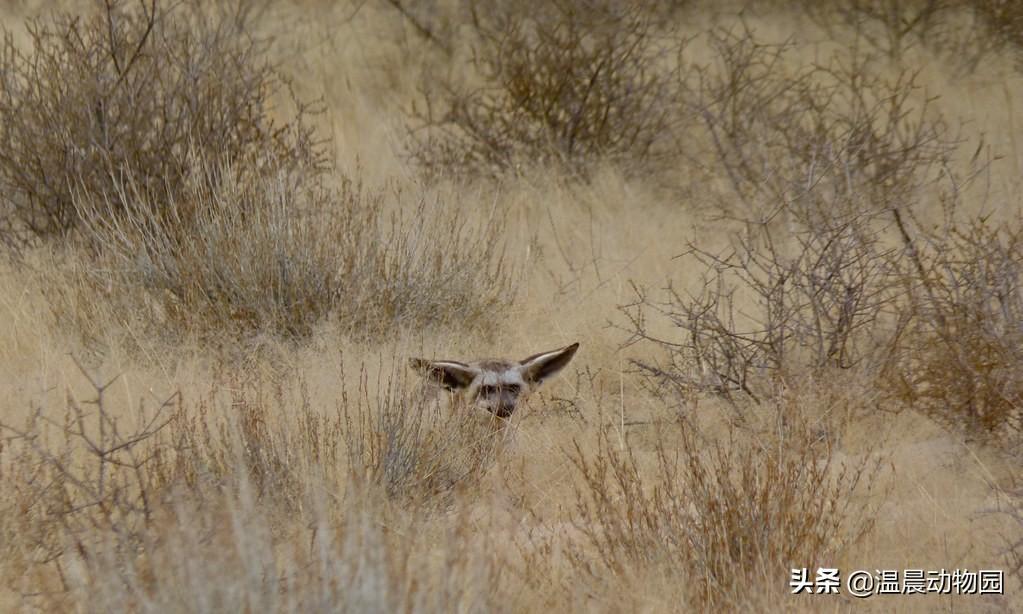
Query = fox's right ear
x=448 y=373
x=539 y=367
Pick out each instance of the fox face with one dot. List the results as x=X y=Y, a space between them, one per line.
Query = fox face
x=493 y=384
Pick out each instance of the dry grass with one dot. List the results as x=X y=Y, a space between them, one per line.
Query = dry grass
x=831 y=379
x=411 y=448
x=957 y=356
x=716 y=514
x=134 y=88
x=563 y=83
x=276 y=254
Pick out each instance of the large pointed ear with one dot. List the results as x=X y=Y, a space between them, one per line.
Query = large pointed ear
x=537 y=368
x=448 y=373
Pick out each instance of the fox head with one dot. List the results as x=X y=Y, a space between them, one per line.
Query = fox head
x=495 y=385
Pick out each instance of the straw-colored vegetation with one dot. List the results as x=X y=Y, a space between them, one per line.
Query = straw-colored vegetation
x=786 y=234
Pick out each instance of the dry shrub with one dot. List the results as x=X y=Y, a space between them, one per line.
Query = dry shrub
x=773 y=309
x=239 y=500
x=815 y=166
x=811 y=142
x=276 y=253
x=965 y=33
x=891 y=26
x=95 y=484
x=716 y=517
x=1003 y=18
x=85 y=473
x=993 y=26
x=411 y=448
x=564 y=83
x=959 y=353
x=830 y=267
x=133 y=87
x=263 y=435
x=935 y=323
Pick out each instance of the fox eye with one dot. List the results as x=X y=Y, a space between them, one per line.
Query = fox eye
x=492 y=390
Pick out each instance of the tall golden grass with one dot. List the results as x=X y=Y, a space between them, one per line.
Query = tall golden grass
x=788 y=244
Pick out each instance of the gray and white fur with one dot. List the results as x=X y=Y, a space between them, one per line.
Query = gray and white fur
x=495 y=385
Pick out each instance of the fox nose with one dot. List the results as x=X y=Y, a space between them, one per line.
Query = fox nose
x=503 y=410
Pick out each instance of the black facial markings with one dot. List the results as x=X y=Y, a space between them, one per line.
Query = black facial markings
x=494 y=390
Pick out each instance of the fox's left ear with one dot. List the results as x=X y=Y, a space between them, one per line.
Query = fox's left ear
x=538 y=368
